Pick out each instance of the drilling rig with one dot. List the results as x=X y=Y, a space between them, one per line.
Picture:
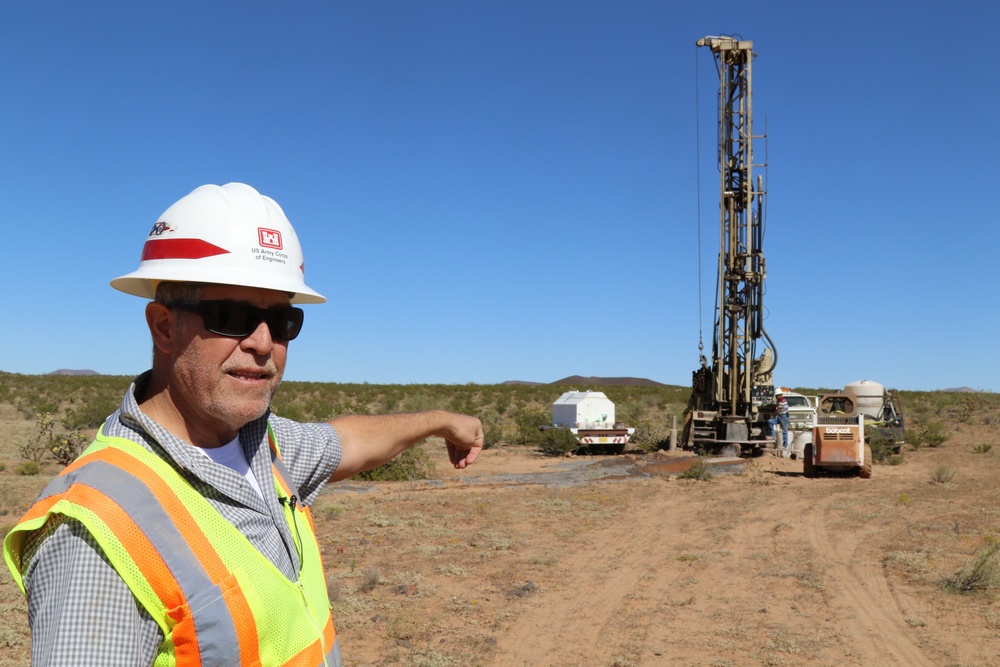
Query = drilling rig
x=732 y=394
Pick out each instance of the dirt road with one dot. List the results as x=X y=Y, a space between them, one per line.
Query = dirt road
x=759 y=568
x=784 y=574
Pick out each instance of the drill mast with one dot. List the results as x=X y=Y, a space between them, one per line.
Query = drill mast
x=726 y=387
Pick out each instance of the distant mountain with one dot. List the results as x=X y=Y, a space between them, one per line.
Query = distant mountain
x=581 y=381
x=67 y=371
x=963 y=390
x=598 y=381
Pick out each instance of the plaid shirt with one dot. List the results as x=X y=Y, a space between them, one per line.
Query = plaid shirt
x=80 y=610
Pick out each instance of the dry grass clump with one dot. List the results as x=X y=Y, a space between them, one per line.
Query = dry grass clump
x=698 y=471
x=942 y=475
x=979 y=574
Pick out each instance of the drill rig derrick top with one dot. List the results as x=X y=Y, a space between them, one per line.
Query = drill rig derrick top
x=723 y=414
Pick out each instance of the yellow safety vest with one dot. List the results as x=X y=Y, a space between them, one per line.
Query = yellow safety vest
x=216 y=598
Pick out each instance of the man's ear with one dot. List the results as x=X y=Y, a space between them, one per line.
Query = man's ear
x=160 y=320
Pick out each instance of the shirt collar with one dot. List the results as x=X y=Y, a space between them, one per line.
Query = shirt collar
x=184 y=454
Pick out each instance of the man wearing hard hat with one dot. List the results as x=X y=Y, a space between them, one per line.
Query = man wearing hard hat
x=780 y=416
x=183 y=534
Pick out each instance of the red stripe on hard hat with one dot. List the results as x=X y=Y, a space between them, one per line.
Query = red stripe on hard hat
x=179 y=249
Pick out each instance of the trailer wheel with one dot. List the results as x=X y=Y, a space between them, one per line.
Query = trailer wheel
x=866 y=467
x=808 y=469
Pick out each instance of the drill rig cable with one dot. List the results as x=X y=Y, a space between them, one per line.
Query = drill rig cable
x=774 y=352
x=697 y=162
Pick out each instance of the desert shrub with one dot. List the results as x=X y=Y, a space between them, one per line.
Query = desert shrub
x=978 y=574
x=931 y=434
x=35 y=405
x=942 y=475
x=893 y=460
x=36 y=447
x=492 y=428
x=628 y=412
x=650 y=436
x=412 y=464
x=698 y=471
x=370 y=578
x=970 y=406
x=982 y=448
x=28 y=468
x=320 y=409
x=288 y=410
x=528 y=420
x=558 y=442
x=90 y=413
x=66 y=447
x=492 y=436
x=883 y=445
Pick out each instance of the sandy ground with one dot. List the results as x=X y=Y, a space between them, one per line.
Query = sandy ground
x=610 y=561
x=759 y=566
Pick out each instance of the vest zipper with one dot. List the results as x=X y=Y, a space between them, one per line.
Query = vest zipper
x=312 y=620
x=292 y=501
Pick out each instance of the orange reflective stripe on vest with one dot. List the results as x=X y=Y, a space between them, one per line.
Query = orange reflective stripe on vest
x=163 y=538
x=154 y=529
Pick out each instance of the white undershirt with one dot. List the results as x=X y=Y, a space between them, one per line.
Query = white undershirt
x=231 y=455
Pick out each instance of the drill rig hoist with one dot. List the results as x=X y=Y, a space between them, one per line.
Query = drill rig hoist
x=728 y=410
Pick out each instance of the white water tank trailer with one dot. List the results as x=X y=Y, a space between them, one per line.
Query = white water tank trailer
x=590 y=416
x=583 y=409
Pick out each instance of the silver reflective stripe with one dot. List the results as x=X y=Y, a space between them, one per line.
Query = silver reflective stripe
x=214 y=625
x=279 y=465
x=333 y=657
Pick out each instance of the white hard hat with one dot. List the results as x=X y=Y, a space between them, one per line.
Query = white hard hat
x=778 y=391
x=227 y=235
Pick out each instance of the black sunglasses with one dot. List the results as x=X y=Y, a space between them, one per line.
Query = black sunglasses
x=238 y=320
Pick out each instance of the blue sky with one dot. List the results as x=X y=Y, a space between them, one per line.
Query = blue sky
x=491 y=191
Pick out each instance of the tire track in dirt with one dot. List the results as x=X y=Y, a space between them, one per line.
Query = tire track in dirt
x=874 y=623
x=614 y=611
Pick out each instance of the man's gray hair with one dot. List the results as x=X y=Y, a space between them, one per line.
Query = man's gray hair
x=169 y=293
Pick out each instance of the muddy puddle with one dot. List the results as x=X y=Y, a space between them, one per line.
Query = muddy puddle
x=575 y=472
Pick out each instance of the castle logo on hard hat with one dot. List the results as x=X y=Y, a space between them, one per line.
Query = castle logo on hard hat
x=269 y=238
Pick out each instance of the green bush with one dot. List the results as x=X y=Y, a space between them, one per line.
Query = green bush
x=492 y=428
x=698 y=471
x=650 y=436
x=942 y=475
x=28 y=468
x=492 y=436
x=66 y=447
x=883 y=445
x=91 y=413
x=288 y=410
x=36 y=447
x=979 y=574
x=412 y=464
x=528 y=421
x=931 y=434
x=558 y=442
